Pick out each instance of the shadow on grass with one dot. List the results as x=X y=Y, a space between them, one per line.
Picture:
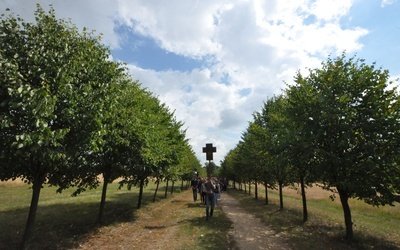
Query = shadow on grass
x=66 y=226
x=214 y=233
x=313 y=234
x=195 y=205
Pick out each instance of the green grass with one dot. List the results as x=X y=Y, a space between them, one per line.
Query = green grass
x=374 y=228
x=62 y=220
x=65 y=222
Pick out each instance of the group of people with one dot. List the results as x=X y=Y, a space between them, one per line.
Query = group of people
x=209 y=189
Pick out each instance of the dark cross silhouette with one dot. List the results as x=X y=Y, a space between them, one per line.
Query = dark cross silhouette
x=209 y=150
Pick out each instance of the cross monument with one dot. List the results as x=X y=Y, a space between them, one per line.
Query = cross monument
x=209 y=150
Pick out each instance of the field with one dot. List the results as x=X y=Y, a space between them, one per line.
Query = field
x=65 y=222
x=374 y=228
x=62 y=219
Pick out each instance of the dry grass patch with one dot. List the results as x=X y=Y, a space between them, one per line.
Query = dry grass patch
x=375 y=228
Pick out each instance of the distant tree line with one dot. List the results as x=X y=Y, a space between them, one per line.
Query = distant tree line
x=69 y=114
x=337 y=126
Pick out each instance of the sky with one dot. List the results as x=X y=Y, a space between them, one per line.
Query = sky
x=215 y=62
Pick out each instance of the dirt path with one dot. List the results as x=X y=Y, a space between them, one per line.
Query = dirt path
x=249 y=232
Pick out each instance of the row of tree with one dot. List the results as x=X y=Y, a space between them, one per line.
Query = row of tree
x=68 y=114
x=337 y=126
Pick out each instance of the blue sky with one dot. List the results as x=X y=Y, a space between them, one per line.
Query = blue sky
x=215 y=62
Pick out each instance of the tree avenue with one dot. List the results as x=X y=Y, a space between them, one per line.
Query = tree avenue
x=340 y=128
x=68 y=114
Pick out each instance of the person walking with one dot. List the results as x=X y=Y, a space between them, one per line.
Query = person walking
x=194 y=184
x=209 y=188
x=217 y=192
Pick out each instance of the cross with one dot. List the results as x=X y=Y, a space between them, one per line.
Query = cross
x=209 y=150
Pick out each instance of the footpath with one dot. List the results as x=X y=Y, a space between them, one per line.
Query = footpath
x=249 y=232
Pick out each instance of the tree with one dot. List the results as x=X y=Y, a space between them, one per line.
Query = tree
x=188 y=164
x=253 y=151
x=272 y=120
x=354 y=116
x=161 y=142
x=119 y=136
x=300 y=151
x=211 y=168
x=260 y=131
x=228 y=167
x=53 y=79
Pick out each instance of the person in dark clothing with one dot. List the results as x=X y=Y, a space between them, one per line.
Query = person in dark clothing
x=194 y=184
x=209 y=189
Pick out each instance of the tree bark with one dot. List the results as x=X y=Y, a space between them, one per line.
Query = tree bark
x=266 y=192
x=344 y=199
x=141 y=184
x=249 y=187
x=255 y=190
x=166 y=189
x=36 y=188
x=303 y=197
x=280 y=195
x=155 y=192
x=172 y=187
x=106 y=177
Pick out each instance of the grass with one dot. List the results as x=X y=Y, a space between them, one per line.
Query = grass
x=65 y=222
x=374 y=228
x=60 y=218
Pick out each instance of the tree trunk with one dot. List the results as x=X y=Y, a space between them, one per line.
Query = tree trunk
x=139 y=204
x=255 y=190
x=266 y=192
x=280 y=195
x=303 y=197
x=106 y=177
x=182 y=185
x=249 y=188
x=344 y=199
x=172 y=187
x=155 y=192
x=166 y=189
x=36 y=187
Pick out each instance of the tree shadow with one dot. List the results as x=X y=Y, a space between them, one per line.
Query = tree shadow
x=214 y=231
x=64 y=226
x=313 y=234
x=195 y=205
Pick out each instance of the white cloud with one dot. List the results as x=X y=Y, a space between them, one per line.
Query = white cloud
x=183 y=27
x=385 y=3
x=330 y=10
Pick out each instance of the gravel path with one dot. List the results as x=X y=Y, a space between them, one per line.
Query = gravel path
x=249 y=232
